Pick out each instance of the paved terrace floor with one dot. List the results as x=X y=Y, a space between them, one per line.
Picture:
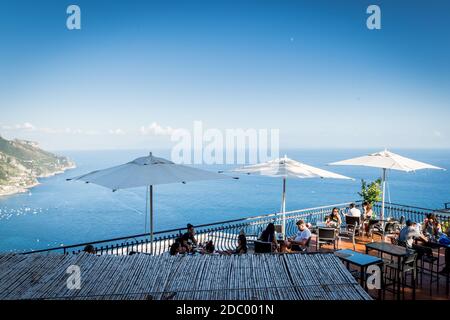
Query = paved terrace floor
x=197 y=277
x=438 y=290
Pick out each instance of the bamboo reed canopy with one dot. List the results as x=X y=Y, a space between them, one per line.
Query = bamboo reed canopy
x=191 y=277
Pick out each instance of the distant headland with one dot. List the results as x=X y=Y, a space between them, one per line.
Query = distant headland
x=23 y=162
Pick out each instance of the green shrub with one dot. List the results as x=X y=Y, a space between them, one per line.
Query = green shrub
x=371 y=192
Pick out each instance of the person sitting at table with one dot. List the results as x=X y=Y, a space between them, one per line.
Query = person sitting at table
x=368 y=212
x=409 y=233
x=368 y=216
x=208 y=248
x=241 y=247
x=334 y=219
x=242 y=244
x=177 y=248
x=188 y=239
x=89 y=249
x=431 y=225
x=354 y=211
x=268 y=235
x=300 y=240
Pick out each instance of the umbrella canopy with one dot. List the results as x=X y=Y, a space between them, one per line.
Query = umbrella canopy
x=287 y=168
x=386 y=160
x=147 y=171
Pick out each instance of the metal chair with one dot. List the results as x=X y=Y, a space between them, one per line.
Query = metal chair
x=407 y=267
x=355 y=221
x=348 y=231
x=425 y=256
x=391 y=227
x=326 y=236
x=296 y=247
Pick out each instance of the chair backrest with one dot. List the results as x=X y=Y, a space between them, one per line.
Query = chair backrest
x=262 y=247
x=326 y=233
x=391 y=227
x=410 y=259
x=278 y=228
x=308 y=242
x=422 y=250
x=349 y=220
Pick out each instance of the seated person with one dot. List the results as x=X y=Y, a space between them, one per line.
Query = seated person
x=208 y=248
x=188 y=239
x=334 y=219
x=369 y=216
x=299 y=242
x=431 y=225
x=409 y=233
x=177 y=248
x=268 y=235
x=242 y=244
x=368 y=212
x=89 y=249
x=241 y=247
x=354 y=211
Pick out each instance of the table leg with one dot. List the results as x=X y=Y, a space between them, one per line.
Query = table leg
x=361 y=275
x=381 y=281
x=447 y=283
x=437 y=268
x=398 y=277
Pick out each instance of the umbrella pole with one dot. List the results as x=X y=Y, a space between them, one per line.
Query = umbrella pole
x=151 y=218
x=283 y=209
x=383 y=179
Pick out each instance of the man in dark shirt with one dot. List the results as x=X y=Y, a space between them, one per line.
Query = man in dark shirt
x=188 y=239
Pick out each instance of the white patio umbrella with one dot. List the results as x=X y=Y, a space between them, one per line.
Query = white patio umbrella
x=147 y=171
x=386 y=160
x=287 y=168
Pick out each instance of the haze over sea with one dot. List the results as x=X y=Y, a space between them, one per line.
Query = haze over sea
x=60 y=212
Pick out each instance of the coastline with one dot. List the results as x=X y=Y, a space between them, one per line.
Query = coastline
x=12 y=190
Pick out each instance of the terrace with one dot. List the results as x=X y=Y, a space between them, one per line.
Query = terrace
x=224 y=235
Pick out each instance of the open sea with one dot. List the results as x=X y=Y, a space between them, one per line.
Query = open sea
x=59 y=212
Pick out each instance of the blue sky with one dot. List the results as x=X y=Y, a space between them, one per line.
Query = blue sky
x=309 y=68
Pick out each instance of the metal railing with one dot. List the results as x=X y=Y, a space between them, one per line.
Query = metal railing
x=224 y=234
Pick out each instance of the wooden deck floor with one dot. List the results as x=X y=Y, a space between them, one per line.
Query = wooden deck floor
x=197 y=277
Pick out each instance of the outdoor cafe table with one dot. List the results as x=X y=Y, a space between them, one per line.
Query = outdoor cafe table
x=360 y=260
x=396 y=251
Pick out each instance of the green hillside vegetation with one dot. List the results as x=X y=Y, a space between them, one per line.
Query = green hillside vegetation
x=22 y=162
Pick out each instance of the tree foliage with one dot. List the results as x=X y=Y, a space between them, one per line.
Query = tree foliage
x=371 y=191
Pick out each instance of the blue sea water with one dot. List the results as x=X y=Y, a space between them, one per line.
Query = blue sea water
x=59 y=212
